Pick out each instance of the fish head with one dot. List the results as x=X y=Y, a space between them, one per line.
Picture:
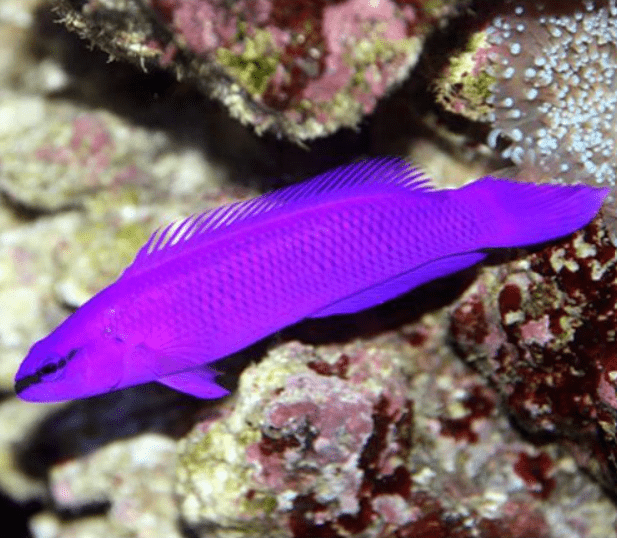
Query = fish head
x=73 y=362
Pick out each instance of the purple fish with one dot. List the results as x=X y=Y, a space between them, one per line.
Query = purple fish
x=341 y=242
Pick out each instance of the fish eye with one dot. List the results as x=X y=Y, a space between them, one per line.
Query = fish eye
x=54 y=364
x=51 y=367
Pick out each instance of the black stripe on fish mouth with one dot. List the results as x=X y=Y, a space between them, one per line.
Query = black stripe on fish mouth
x=25 y=382
x=50 y=368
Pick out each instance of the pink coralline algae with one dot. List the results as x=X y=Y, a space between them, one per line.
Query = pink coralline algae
x=542 y=330
x=299 y=68
x=322 y=64
x=341 y=441
x=326 y=455
x=90 y=148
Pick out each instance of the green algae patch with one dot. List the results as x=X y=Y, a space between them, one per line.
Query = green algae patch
x=255 y=66
x=465 y=87
x=212 y=465
x=130 y=238
x=260 y=503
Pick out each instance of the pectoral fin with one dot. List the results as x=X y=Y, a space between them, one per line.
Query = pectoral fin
x=198 y=382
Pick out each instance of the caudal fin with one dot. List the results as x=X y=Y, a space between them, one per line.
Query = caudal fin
x=519 y=214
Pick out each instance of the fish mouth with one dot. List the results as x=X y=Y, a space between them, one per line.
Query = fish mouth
x=31 y=389
x=26 y=382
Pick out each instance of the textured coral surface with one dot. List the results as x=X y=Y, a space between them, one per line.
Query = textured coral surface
x=542 y=329
x=300 y=68
x=324 y=452
x=375 y=438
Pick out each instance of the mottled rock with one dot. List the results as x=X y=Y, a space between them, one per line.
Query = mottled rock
x=542 y=330
x=26 y=288
x=464 y=86
x=311 y=447
x=382 y=438
x=299 y=69
x=133 y=476
x=67 y=156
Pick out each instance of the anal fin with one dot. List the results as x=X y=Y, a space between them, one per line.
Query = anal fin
x=396 y=286
x=198 y=382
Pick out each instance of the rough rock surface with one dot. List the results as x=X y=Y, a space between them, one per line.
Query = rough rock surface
x=378 y=438
x=542 y=329
x=300 y=69
x=312 y=447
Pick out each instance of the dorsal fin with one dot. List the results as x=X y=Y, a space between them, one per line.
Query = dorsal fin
x=360 y=178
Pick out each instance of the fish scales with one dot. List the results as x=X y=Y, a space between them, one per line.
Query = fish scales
x=344 y=241
x=263 y=282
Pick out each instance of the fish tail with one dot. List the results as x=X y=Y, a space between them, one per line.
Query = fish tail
x=519 y=214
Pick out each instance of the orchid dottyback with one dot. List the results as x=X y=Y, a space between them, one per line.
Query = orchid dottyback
x=346 y=240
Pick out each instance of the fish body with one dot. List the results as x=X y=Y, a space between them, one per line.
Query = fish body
x=341 y=242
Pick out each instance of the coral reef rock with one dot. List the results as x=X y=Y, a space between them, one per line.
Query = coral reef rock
x=312 y=447
x=300 y=69
x=542 y=330
x=384 y=437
